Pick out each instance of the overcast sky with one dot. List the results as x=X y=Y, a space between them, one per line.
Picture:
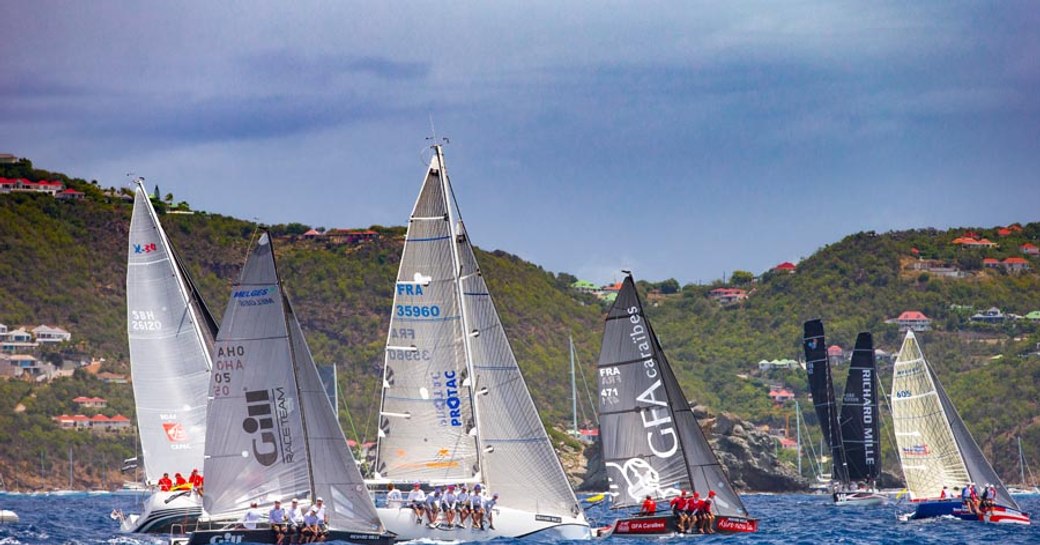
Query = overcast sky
x=680 y=140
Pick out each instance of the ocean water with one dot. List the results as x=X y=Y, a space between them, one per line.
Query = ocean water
x=787 y=519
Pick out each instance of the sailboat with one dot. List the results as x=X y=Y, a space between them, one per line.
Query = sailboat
x=170 y=333
x=1025 y=487
x=851 y=430
x=455 y=409
x=935 y=448
x=271 y=432
x=652 y=442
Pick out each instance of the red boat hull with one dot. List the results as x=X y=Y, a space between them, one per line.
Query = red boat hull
x=666 y=525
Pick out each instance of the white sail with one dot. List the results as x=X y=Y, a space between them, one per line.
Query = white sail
x=272 y=433
x=170 y=336
x=426 y=429
x=466 y=338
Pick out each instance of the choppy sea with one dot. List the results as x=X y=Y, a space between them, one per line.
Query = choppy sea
x=787 y=519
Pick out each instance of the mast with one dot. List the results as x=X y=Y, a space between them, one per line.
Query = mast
x=574 y=389
x=70 y=468
x=798 y=432
x=1021 y=463
x=447 y=193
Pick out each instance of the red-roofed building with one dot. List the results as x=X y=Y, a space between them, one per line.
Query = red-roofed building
x=1015 y=264
x=1015 y=227
x=70 y=195
x=726 y=296
x=966 y=242
x=915 y=251
x=912 y=319
x=780 y=395
x=312 y=233
x=1003 y=232
x=991 y=262
x=835 y=354
x=1029 y=249
x=94 y=402
x=786 y=267
x=77 y=421
x=788 y=443
x=351 y=236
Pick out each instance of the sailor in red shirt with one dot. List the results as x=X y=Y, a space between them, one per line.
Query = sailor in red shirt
x=165 y=483
x=677 y=504
x=195 y=479
x=692 y=505
x=649 y=507
x=705 y=515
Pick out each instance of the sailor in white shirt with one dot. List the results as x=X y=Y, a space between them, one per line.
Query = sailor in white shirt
x=393 y=497
x=295 y=514
x=250 y=517
x=417 y=501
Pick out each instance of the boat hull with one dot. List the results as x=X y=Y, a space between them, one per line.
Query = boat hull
x=997 y=514
x=858 y=498
x=8 y=517
x=265 y=535
x=508 y=523
x=165 y=513
x=666 y=525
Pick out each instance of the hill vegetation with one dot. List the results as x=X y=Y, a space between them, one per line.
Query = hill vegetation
x=63 y=263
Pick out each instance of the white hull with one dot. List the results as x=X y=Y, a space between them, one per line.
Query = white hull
x=165 y=512
x=508 y=523
x=859 y=498
x=8 y=516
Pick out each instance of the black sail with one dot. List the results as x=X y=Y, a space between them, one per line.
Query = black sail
x=822 y=389
x=652 y=443
x=860 y=435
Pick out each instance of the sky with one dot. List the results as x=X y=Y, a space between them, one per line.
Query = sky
x=679 y=140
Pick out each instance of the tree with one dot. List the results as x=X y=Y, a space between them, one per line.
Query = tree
x=669 y=286
x=741 y=278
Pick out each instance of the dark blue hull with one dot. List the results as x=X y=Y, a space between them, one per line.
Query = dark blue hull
x=997 y=514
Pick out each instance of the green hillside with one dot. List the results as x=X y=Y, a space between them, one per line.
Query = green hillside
x=63 y=263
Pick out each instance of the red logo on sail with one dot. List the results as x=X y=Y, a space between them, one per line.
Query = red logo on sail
x=175 y=432
x=917 y=450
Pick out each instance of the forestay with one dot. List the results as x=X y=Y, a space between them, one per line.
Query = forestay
x=652 y=443
x=927 y=449
x=859 y=414
x=272 y=432
x=821 y=386
x=170 y=334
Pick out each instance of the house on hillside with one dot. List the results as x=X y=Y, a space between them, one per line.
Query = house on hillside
x=726 y=296
x=1015 y=264
x=584 y=286
x=780 y=395
x=312 y=234
x=992 y=315
x=48 y=334
x=1004 y=232
x=111 y=378
x=785 y=267
x=968 y=242
x=991 y=263
x=1029 y=249
x=835 y=355
x=912 y=320
x=350 y=236
x=769 y=365
x=91 y=402
x=70 y=195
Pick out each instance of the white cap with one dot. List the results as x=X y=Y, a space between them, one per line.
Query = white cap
x=319 y=499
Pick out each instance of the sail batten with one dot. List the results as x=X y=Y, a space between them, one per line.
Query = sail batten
x=170 y=336
x=652 y=442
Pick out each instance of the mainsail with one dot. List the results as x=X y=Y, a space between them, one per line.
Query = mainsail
x=455 y=405
x=652 y=443
x=860 y=436
x=170 y=334
x=821 y=386
x=935 y=447
x=272 y=432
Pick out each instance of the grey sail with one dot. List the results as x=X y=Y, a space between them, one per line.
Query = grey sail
x=427 y=429
x=335 y=476
x=170 y=334
x=327 y=373
x=272 y=433
x=979 y=468
x=518 y=459
x=652 y=443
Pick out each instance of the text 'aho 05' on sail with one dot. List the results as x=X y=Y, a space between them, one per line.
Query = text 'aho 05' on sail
x=652 y=443
x=272 y=433
x=170 y=333
x=455 y=408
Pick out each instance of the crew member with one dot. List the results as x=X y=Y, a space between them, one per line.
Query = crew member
x=393 y=496
x=250 y=517
x=417 y=501
x=448 y=504
x=489 y=510
x=179 y=482
x=677 y=504
x=433 y=506
x=323 y=519
x=649 y=507
x=476 y=507
x=462 y=505
x=165 y=484
x=295 y=516
x=195 y=479
x=279 y=521
x=707 y=517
